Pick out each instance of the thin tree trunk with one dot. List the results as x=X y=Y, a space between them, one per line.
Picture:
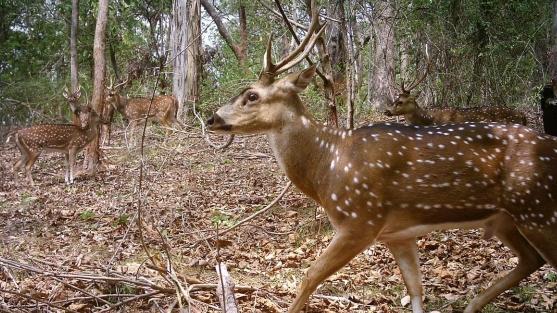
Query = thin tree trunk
x=239 y=50
x=97 y=102
x=178 y=45
x=193 y=62
x=382 y=71
x=553 y=53
x=73 y=46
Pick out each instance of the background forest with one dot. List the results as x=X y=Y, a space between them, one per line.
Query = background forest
x=482 y=52
x=145 y=232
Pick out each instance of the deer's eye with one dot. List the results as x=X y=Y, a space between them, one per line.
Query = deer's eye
x=252 y=97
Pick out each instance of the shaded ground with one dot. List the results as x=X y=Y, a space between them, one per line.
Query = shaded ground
x=188 y=189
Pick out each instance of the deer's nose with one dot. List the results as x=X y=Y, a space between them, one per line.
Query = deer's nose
x=215 y=121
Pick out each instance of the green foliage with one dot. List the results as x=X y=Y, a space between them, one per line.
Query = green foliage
x=87 y=215
x=484 y=51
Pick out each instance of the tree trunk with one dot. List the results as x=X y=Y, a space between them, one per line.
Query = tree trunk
x=73 y=46
x=239 y=50
x=348 y=63
x=193 y=62
x=97 y=102
x=178 y=46
x=382 y=71
x=553 y=53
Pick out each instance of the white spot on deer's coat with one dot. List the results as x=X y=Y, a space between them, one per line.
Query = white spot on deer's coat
x=305 y=121
x=334 y=196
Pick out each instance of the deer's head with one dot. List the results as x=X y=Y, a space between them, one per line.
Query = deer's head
x=112 y=95
x=271 y=102
x=404 y=103
x=73 y=98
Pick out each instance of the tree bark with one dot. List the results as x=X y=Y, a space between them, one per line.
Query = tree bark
x=178 y=46
x=193 y=61
x=553 y=53
x=382 y=70
x=73 y=46
x=97 y=102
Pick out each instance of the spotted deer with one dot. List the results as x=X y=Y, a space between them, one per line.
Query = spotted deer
x=405 y=104
x=68 y=139
x=163 y=109
x=392 y=182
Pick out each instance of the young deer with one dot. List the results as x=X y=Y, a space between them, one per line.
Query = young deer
x=392 y=182
x=65 y=138
x=163 y=109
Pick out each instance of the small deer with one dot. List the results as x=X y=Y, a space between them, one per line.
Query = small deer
x=68 y=139
x=163 y=109
x=392 y=182
x=405 y=104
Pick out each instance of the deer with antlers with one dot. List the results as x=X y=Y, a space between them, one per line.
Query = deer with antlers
x=393 y=182
x=405 y=104
x=163 y=108
x=68 y=139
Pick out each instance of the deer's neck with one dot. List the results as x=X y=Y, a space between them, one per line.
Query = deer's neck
x=305 y=150
x=121 y=103
x=419 y=117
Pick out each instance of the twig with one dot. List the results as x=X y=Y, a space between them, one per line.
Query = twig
x=254 y=215
x=19 y=294
x=119 y=304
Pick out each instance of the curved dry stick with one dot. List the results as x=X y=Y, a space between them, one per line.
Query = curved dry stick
x=249 y=218
x=206 y=134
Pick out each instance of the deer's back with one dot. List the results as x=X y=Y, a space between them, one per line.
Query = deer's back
x=138 y=107
x=498 y=114
x=482 y=165
x=53 y=136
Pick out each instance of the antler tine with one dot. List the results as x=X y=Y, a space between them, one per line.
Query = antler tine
x=121 y=84
x=304 y=47
x=267 y=57
x=298 y=58
x=418 y=81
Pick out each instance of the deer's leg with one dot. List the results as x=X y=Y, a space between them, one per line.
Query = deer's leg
x=529 y=260
x=67 y=164
x=71 y=164
x=343 y=248
x=20 y=162
x=406 y=255
x=543 y=239
x=24 y=153
x=31 y=158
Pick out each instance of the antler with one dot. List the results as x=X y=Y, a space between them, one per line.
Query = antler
x=296 y=56
x=112 y=87
x=421 y=78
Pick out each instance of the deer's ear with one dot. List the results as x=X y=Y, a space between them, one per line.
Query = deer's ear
x=297 y=82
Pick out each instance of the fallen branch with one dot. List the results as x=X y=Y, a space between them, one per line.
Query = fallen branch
x=249 y=218
x=225 y=290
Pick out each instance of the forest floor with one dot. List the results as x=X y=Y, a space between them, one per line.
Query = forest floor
x=79 y=248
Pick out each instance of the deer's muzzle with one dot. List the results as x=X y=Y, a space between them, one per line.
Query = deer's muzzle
x=217 y=123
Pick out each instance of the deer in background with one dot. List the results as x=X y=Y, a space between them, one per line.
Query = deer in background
x=68 y=139
x=73 y=101
x=405 y=104
x=163 y=109
x=392 y=182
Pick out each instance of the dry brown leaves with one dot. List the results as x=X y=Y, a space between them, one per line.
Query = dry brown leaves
x=188 y=188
